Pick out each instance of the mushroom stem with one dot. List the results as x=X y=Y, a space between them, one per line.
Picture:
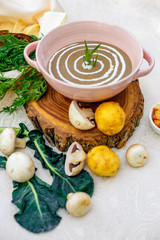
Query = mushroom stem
x=88 y=112
x=20 y=143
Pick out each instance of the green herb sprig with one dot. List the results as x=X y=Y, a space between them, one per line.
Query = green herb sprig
x=11 y=53
x=89 y=54
x=31 y=85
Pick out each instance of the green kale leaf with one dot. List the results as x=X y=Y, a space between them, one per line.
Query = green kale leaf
x=3 y=161
x=62 y=184
x=37 y=204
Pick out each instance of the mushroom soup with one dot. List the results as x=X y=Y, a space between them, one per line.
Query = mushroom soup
x=67 y=64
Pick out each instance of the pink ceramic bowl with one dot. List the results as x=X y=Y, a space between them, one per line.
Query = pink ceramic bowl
x=89 y=31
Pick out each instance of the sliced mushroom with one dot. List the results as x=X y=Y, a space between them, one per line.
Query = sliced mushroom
x=75 y=159
x=81 y=118
x=8 y=141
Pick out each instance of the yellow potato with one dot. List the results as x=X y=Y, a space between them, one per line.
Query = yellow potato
x=19 y=26
x=110 y=118
x=7 y=26
x=32 y=30
x=103 y=161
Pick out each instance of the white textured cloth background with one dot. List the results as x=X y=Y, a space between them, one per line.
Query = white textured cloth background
x=127 y=206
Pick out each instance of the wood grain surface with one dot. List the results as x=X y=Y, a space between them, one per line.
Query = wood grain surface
x=50 y=114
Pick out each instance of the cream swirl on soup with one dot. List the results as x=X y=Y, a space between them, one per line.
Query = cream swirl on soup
x=67 y=64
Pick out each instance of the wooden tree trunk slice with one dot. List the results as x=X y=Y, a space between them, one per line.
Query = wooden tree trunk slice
x=50 y=114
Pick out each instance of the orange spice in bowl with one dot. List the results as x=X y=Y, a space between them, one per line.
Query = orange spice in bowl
x=154 y=117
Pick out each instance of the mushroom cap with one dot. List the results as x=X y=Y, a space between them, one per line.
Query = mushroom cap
x=80 y=117
x=137 y=155
x=8 y=141
x=20 y=167
x=75 y=159
x=78 y=204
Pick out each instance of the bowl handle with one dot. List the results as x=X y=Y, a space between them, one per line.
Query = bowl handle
x=28 y=49
x=151 y=63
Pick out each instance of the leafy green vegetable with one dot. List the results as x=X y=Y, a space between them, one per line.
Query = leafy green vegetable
x=11 y=53
x=62 y=184
x=31 y=85
x=89 y=54
x=37 y=203
x=5 y=85
x=3 y=161
x=22 y=131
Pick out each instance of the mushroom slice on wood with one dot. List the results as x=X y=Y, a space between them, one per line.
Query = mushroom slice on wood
x=75 y=159
x=81 y=118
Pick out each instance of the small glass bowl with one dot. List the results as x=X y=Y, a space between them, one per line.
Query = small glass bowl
x=155 y=128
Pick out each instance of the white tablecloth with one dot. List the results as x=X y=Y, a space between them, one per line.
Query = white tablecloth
x=127 y=206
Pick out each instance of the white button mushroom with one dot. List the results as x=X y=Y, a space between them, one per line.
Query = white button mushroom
x=136 y=155
x=78 y=204
x=8 y=141
x=81 y=118
x=75 y=159
x=20 y=167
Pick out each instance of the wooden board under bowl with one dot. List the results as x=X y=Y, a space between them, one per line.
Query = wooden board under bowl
x=50 y=114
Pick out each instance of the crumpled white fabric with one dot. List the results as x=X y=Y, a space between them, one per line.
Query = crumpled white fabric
x=27 y=9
